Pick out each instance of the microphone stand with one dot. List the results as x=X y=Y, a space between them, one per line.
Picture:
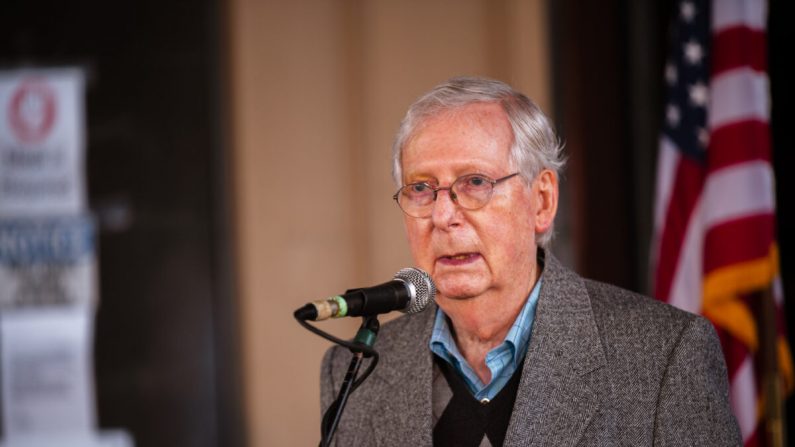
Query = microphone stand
x=360 y=348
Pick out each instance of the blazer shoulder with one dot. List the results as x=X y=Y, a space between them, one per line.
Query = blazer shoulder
x=629 y=320
x=671 y=353
x=610 y=303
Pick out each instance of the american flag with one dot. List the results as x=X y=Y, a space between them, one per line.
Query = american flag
x=714 y=246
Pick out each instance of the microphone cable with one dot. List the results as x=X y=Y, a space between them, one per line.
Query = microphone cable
x=329 y=425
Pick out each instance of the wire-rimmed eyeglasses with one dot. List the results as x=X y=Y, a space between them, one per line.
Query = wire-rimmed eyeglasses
x=471 y=191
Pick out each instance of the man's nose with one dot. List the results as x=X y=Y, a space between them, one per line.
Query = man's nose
x=449 y=190
x=445 y=207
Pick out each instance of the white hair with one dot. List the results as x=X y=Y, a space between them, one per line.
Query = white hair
x=535 y=145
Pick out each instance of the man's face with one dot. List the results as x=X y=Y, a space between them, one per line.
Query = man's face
x=472 y=252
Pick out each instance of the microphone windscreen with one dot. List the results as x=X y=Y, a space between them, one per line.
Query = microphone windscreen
x=421 y=286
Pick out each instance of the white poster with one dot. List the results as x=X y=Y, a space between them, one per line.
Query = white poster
x=47 y=385
x=47 y=379
x=42 y=142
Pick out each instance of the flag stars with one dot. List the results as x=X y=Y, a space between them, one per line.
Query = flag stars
x=703 y=137
x=671 y=75
x=699 y=94
x=687 y=11
x=694 y=52
x=672 y=115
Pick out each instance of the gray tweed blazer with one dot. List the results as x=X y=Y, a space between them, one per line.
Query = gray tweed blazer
x=605 y=367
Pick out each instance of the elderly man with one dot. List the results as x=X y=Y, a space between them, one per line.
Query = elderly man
x=518 y=350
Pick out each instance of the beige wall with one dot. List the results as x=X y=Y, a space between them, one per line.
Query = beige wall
x=317 y=90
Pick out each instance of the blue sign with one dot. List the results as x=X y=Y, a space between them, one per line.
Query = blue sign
x=62 y=240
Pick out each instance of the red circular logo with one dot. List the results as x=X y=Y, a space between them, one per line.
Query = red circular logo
x=31 y=112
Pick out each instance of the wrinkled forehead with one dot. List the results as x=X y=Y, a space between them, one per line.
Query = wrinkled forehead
x=477 y=136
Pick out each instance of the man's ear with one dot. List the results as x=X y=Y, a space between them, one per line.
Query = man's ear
x=546 y=194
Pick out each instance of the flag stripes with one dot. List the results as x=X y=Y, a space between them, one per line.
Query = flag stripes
x=714 y=243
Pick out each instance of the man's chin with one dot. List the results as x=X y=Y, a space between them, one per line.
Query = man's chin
x=460 y=285
x=458 y=290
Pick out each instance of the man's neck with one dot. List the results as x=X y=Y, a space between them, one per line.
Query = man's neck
x=480 y=324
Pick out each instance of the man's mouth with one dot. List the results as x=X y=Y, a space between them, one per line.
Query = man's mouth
x=459 y=258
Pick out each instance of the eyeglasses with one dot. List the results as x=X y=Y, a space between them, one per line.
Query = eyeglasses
x=471 y=191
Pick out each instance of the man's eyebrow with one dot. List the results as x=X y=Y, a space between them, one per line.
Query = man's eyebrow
x=470 y=167
x=420 y=178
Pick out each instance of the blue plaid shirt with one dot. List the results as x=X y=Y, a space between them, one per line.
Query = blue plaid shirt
x=503 y=360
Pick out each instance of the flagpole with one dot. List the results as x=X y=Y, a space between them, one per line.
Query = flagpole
x=771 y=378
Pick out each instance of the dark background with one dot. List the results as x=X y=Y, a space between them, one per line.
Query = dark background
x=166 y=354
x=165 y=350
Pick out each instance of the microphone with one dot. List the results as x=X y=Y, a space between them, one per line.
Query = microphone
x=410 y=291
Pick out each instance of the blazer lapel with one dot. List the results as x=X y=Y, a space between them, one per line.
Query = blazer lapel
x=557 y=392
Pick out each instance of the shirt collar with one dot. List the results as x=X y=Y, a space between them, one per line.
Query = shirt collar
x=503 y=360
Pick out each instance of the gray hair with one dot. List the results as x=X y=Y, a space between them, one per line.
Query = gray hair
x=535 y=145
